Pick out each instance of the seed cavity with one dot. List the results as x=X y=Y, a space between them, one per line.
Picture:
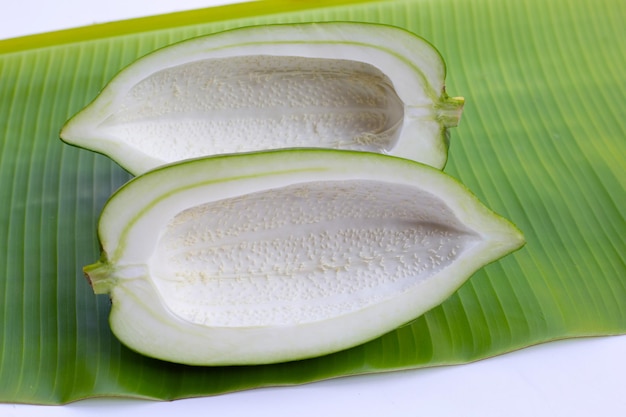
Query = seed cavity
x=303 y=253
x=246 y=103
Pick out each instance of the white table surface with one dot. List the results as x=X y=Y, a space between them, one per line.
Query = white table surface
x=583 y=377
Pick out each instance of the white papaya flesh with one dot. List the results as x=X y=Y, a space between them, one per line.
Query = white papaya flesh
x=356 y=86
x=277 y=256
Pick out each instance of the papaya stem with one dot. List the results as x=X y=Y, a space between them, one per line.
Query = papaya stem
x=449 y=110
x=100 y=276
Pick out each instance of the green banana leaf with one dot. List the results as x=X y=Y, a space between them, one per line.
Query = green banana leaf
x=542 y=142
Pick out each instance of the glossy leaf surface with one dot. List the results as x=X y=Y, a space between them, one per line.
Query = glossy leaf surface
x=542 y=142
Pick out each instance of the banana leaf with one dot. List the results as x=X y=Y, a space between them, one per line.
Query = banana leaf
x=542 y=142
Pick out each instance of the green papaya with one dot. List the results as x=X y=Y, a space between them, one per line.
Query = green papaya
x=356 y=86
x=276 y=256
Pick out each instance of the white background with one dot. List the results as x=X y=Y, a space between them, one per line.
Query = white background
x=583 y=377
